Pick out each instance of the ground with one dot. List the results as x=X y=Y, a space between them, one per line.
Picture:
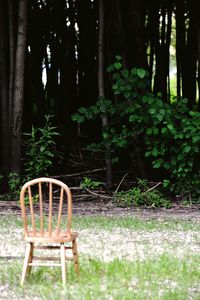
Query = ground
x=163 y=246
x=107 y=208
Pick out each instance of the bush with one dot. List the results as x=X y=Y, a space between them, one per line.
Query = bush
x=142 y=196
x=39 y=152
x=168 y=133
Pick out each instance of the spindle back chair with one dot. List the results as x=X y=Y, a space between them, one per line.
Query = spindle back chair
x=50 y=210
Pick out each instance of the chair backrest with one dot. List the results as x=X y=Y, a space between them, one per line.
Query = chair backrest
x=38 y=190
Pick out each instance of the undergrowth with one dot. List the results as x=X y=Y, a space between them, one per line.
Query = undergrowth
x=142 y=196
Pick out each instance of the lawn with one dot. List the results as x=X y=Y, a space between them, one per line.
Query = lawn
x=120 y=258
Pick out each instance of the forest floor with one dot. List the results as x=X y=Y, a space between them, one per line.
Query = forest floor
x=108 y=208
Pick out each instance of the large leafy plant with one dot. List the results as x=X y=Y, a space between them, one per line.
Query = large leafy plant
x=169 y=133
x=40 y=152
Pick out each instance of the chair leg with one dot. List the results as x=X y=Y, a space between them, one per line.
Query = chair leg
x=63 y=264
x=75 y=256
x=30 y=259
x=29 y=249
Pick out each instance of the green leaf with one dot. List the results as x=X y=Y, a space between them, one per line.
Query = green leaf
x=102 y=108
x=155 y=130
x=141 y=73
x=149 y=131
x=190 y=163
x=105 y=135
x=164 y=130
x=192 y=113
x=125 y=73
x=160 y=117
x=42 y=148
x=80 y=119
x=110 y=68
x=187 y=149
x=166 y=166
x=170 y=126
x=82 y=110
x=118 y=57
x=166 y=183
x=152 y=111
x=147 y=154
x=155 y=151
x=117 y=65
x=180 y=156
x=156 y=165
x=75 y=117
x=127 y=94
x=162 y=111
x=115 y=86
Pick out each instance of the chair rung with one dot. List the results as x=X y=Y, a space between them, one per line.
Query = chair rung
x=44 y=265
x=47 y=247
x=52 y=247
x=51 y=258
x=45 y=258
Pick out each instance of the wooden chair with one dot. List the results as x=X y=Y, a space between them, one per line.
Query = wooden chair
x=45 y=233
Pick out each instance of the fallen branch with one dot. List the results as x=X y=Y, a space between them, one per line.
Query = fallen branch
x=99 y=195
x=152 y=188
x=80 y=173
x=120 y=183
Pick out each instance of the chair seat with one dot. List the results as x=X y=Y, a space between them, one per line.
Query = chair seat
x=62 y=237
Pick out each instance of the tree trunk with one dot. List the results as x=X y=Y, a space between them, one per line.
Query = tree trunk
x=12 y=20
x=16 y=128
x=101 y=89
x=4 y=140
x=180 y=43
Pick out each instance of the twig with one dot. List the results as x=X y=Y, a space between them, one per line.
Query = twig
x=99 y=195
x=80 y=173
x=120 y=183
x=152 y=188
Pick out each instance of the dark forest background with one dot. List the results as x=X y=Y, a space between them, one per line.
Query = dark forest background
x=53 y=60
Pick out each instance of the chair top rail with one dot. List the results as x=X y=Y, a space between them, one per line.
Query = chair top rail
x=50 y=181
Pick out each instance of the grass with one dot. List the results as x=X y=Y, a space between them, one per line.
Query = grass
x=120 y=258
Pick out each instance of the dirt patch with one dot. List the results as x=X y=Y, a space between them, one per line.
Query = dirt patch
x=107 y=208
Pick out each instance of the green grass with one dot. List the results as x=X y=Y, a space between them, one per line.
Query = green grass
x=135 y=223
x=108 y=223
x=165 y=276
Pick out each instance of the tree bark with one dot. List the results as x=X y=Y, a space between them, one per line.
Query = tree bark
x=101 y=87
x=16 y=129
x=4 y=117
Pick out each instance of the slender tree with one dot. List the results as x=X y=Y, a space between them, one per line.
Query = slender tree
x=101 y=84
x=17 y=110
x=4 y=115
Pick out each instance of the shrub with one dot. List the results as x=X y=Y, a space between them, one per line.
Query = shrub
x=39 y=151
x=142 y=196
x=168 y=133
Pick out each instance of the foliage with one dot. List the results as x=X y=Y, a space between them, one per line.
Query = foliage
x=174 y=145
x=39 y=149
x=142 y=196
x=169 y=133
x=88 y=183
x=14 y=184
x=119 y=132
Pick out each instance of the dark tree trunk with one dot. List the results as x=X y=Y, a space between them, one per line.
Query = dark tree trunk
x=180 y=43
x=35 y=90
x=4 y=115
x=190 y=59
x=134 y=20
x=101 y=85
x=162 y=43
x=16 y=132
